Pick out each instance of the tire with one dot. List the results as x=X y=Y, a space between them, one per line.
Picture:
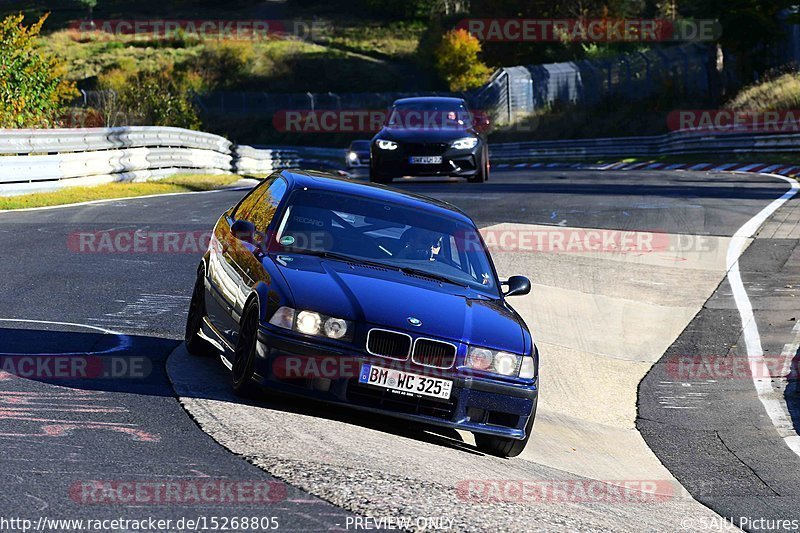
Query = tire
x=244 y=356
x=503 y=447
x=483 y=169
x=195 y=344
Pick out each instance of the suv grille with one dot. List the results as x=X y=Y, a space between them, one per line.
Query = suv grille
x=428 y=352
x=388 y=344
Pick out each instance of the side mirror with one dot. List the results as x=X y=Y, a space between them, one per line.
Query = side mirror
x=517 y=286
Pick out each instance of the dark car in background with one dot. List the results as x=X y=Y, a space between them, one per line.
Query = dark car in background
x=394 y=293
x=357 y=154
x=430 y=136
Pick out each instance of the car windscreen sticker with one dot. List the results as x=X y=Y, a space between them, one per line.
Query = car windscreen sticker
x=288 y=240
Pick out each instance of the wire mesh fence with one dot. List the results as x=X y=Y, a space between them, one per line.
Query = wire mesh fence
x=513 y=93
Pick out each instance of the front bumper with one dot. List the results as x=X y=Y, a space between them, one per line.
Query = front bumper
x=396 y=163
x=476 y=404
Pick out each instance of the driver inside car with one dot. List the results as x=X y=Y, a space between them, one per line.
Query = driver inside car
x=420 y=244
x=245 y=232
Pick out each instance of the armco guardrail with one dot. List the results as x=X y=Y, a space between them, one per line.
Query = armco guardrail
x=33 y=160
x=36 y=160
x=676 y=143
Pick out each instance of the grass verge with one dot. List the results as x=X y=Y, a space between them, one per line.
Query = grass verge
x=72 y=195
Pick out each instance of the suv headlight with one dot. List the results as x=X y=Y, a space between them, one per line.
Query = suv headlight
x=467 y=143
x=313 y=323
x=500 y=362
x=383 y=144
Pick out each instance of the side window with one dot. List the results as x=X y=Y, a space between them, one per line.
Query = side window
x=268 y=204
x=249 y=204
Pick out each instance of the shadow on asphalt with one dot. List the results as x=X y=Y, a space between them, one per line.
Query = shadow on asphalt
x=673 y=190
x=792 y=391
x=94 y=361
x=207 y=378
x=88 y=360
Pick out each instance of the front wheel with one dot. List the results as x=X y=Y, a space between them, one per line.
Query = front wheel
x=483 y=169
x=503 y=447
x=195 y=344
x=244 y=356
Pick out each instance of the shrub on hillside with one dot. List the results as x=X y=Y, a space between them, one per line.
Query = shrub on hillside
x=33 y=92
x=457 y=61
x=151 y=97
x=224 y=64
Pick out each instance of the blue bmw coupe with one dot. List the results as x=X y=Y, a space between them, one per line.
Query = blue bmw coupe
x=366 y=296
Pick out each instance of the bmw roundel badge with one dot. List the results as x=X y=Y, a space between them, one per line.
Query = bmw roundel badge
x=414 y=321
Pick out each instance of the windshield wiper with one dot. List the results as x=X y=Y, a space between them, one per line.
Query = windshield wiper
x=325 y=254
x=406 y=270
x=431 y=275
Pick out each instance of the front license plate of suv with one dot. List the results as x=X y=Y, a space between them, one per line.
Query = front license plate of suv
x=425 y=160
x=405 y=382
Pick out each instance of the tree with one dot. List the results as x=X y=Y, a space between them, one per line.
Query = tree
x=33 y=92
x=89 y=5
x=457 y=61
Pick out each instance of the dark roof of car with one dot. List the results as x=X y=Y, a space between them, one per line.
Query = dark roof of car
x=361 y=143
x=330 y=182
x=430 y=99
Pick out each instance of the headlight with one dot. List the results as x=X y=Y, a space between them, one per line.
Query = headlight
x=499 y=362
x=467 y=143
x=308 y=322
x=312 y=323
x=352 y=156
x=386 y=145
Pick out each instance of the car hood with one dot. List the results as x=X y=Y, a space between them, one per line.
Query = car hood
x=423 y=135
x=386 y=298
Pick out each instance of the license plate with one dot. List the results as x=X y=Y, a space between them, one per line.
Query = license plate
x=405 y=382
x=425 y=160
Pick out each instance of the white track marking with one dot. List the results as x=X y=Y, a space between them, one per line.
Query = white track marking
x=124 y=340
x=106 y=200
x=776 y=408
x=789 y=352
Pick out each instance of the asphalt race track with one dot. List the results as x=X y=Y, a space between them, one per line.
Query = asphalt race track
x=609 y=325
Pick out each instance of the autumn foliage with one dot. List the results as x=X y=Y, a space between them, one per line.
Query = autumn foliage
x=33 y=92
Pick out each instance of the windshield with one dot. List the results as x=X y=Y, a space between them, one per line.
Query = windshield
x=430 y=115
x=392 y=235
x=359 y=145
